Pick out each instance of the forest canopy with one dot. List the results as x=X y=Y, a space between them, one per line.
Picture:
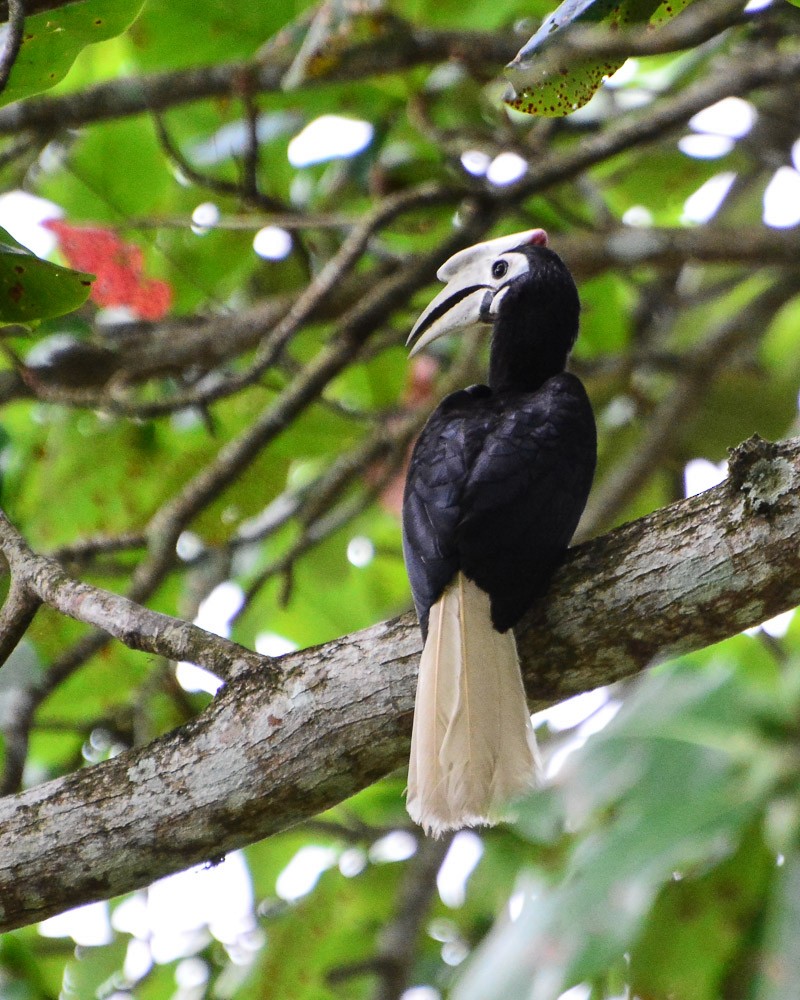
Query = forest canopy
x=218 y=228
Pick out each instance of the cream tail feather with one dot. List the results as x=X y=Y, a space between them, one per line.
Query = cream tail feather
x=472 y=745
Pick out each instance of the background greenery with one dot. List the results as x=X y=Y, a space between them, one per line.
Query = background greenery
x=663 y=861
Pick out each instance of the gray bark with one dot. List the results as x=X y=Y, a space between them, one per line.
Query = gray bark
x=285 y=739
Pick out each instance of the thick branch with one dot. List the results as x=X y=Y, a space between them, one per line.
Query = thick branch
x=399 y=46
x=266 y=756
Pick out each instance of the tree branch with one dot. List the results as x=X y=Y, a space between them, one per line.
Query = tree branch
x=395 y=47
x=45 y=581
x=13 y=40
x=401 y=46
x=729 y=78
x=136 y=352
x=398 y=942
x=17 y=613
x=692 y=27
x=264 y=756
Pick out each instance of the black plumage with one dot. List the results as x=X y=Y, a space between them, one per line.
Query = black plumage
x=497 y=482
x=500 y=474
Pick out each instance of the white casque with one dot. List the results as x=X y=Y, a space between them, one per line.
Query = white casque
x=472 y=292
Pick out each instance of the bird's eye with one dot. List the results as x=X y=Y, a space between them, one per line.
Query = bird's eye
x=499 y=269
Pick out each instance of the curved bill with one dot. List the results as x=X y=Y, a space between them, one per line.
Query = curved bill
x=465 y=300
x=452 y=309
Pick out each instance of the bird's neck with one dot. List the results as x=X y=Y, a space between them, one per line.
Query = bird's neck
x=526 y=352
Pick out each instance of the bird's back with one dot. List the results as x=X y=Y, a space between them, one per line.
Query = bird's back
x=496 y=486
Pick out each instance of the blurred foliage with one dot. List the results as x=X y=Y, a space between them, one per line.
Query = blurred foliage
x=663 y=861
x=678 y=838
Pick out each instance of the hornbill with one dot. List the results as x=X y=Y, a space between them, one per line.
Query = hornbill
x=496 y=484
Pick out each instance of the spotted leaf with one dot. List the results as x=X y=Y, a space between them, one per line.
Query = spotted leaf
x=32 y=289
x=542 y=86
x=52 y=40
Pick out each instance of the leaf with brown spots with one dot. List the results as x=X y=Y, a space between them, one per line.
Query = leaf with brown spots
x=32 y=289
x=555 y=89
x=54 y=38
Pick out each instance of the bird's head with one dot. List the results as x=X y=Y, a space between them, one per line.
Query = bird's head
x=488 y=279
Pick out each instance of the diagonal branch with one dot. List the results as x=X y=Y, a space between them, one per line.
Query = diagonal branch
x=693 y=27
x=265 y=756
x=43 y=580
x=700 y=366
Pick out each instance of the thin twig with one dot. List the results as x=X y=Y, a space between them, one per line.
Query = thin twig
x=88 y=548
x=250 y=159
x=691 y=28
x=669 y=419
x=245 y=190
x=16 y=615
x=251 y=222
x=137 y=627
x=13 y=40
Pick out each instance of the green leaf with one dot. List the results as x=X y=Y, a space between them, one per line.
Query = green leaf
x=554 y=89
x=32 y=289
x=311 y=940
x=53 y=39
x=92 y=968
x=159 y=36
x=671 y=784
x=779 y=970
x=698 y=925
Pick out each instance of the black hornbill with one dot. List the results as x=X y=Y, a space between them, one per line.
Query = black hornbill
x=497 y=482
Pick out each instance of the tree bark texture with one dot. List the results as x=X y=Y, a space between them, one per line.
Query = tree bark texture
x=285 y=739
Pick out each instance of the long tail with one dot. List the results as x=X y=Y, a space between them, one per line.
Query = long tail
x=472 y=746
